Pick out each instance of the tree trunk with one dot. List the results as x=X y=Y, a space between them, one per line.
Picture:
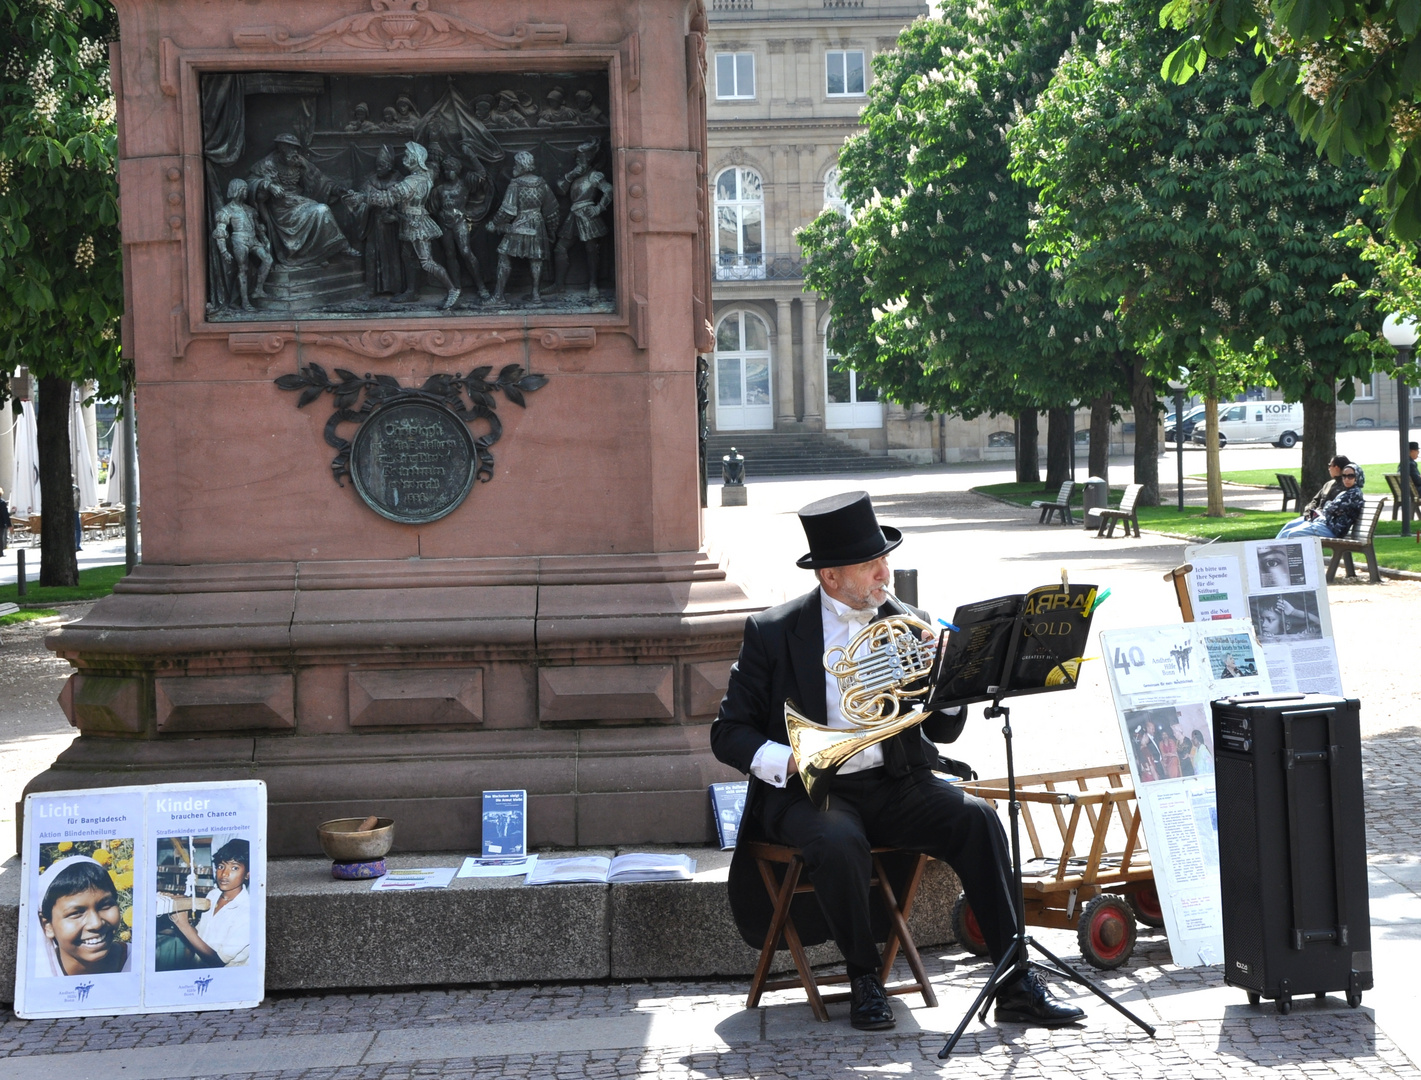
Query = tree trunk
x=57 y=564
x=1060 y=430
x=1211 y=451
x=1144 y=402
x=1028 y=469
x=1100 y=437
x=1319 y=440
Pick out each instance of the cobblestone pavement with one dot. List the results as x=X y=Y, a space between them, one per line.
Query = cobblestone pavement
x=698 y=1029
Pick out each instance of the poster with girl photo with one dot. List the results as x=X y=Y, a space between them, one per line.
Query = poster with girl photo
x=81 y=931
x=208 y=856
x=1291 y=616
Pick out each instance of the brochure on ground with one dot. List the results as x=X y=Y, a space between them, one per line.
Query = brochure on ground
x=633 y=866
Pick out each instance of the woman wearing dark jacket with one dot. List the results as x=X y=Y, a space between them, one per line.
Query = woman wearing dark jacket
x=1337 y=517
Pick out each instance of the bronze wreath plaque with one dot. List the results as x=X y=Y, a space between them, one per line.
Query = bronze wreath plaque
x=413 y=461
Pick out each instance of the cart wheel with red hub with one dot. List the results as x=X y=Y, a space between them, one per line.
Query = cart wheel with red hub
x=1145 y=902
x=964 y=926
x=1106 y=932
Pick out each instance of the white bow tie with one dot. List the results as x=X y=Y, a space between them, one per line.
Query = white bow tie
x=855 y=617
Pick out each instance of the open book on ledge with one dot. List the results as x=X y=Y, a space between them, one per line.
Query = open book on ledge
x=633 y=866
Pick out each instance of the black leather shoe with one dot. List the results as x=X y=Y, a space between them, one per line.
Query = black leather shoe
x=1027 y=1001
x=870 y=1010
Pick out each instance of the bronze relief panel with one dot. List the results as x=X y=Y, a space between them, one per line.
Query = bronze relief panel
x=352 y=196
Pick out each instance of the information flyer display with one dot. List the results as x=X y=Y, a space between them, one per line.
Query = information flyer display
x=145 y=899
x=1162 y=679
x=1280 y=586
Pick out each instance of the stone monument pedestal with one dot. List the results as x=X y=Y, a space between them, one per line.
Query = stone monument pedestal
x=341 y=594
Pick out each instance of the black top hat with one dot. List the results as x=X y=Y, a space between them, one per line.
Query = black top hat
x=843 y=530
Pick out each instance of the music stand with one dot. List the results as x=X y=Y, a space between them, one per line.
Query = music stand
x=1077 y=608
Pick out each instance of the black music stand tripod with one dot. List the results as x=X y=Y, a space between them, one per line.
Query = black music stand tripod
x=1018 y=959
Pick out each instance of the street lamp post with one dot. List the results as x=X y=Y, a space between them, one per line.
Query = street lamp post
x=1178 y=388
x=1400 y=334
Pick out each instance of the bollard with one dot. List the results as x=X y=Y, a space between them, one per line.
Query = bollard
x=732 y=474
x=19 y=571
x=905 y=586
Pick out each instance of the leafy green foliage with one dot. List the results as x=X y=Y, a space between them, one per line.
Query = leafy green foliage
x=935 y=298
x=1347 y=71
x=60 y=272
x=1209 y=220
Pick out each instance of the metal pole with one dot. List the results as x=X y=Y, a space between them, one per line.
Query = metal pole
x=1179 y=441
x=130 y=484
x=20 y=583
x=1403 y=428
x=1072 y=409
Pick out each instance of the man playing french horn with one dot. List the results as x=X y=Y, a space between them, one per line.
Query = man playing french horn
x=884 y=795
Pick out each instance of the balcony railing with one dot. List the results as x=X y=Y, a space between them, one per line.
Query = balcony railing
x=732 y=5
x=768 y=266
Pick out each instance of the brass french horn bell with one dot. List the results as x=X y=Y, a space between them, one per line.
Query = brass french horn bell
x=873 y=689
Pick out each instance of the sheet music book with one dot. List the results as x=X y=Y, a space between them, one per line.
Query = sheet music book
x=505 y=824
x=971 y=665
x=727 y=804
x=594 y=869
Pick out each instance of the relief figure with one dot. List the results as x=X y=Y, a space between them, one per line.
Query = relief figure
x=527 y=219
x=591 y=196
x=410 y=198
x=384 y=270
x=462 y=199
x=291 y=196
x=239 y=237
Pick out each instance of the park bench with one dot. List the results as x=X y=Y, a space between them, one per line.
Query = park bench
x=1393 y=481
x=1292 y=493
x=1126 y=512
x=1361 y=538
x=1061 y=506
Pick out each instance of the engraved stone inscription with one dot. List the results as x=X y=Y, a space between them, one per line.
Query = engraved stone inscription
x=413 y=461
x=346 y=196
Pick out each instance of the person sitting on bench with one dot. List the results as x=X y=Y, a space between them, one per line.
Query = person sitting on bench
x=885 y=796
x=1335 y=520
x=1325 y=494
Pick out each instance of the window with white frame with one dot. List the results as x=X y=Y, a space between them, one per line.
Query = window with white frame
x=833 y=194
x=1364 y=389
x=735 y=75
x=844 y=73
x=739 y=224
x=848 y=403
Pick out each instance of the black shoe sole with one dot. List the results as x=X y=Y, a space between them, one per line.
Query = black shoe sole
x=1011 y=1016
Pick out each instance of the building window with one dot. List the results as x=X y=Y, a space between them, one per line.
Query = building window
x=847 y=402
x=739 y=225
x=844 y=72
x=1364 y=389
x=735 y=75
x=834 y=195
x=742 y=374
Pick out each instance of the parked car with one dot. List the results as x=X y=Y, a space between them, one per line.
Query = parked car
x=1276 y=422
x=1192 y=418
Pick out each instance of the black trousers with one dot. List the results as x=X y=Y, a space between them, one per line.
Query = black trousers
x=916 y=812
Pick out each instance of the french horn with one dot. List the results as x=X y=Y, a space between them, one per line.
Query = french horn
x=882 y=670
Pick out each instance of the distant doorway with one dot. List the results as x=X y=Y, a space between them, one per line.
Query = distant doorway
x=742 y=374
x=847 y=402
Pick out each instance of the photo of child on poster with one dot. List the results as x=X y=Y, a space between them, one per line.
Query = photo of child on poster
x=1281 y=565
x=203 y=903
x=1286 y=617
x=85 y=912
x=1231 y=656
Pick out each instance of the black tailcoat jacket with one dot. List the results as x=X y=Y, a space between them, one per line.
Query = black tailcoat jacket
x=782 y=658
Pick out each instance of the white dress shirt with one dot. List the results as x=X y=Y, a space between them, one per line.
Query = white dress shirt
x=841 y=623
x=229 y=931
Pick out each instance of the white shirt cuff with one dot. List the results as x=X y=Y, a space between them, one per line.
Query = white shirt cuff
x=771 y=763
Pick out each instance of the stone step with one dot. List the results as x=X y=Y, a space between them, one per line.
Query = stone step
x=770 y=453
x=323 y=934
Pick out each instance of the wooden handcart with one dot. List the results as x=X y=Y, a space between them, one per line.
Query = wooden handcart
x=1101 y=880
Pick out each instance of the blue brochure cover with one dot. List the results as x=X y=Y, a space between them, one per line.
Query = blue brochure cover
x=727 y=804
x=505 y=824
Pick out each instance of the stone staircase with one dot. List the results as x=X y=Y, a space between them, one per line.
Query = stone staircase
x=773 y=453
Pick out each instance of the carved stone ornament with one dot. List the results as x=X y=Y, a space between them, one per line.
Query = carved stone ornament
x=400 y=24
x=413 y=458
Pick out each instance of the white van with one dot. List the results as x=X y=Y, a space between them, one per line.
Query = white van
x=1276 y=422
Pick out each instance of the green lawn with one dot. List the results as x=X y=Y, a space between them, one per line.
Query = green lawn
x=1375 y=483
x=1025 y=494
x=25 y=615
x=93 y=583
x=1236 y=524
